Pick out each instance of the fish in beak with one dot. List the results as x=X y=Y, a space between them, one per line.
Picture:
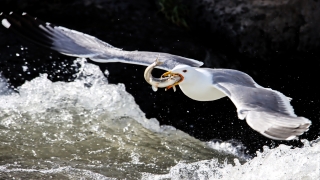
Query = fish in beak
x=169 y=74
x=168 y=81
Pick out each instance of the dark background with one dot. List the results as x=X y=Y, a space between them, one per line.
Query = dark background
x=141 y=25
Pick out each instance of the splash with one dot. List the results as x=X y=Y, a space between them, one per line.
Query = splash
x=89 y=91
x=282 y=162
x=232 y=146
x=4 y=86
x=58 y=128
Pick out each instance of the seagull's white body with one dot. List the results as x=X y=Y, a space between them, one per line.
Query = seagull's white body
x=198 y=86
x=267 y=111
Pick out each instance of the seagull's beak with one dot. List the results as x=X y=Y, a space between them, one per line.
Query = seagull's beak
x=169 y=73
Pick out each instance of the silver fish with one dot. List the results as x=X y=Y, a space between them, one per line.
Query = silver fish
x=167 y=82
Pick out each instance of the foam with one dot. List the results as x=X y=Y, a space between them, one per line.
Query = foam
x=4 y=86
x=282 y=162
x=90 y=90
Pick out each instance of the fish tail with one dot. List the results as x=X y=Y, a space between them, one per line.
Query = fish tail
x=158 y=62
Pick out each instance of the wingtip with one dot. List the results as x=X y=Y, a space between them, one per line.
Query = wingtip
x=292 y=138
x=307 y=123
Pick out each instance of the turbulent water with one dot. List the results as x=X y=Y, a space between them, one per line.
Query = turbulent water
x=89 y=129
x=280 y=163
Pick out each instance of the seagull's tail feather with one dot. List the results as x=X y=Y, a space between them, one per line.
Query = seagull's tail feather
x=277 y=126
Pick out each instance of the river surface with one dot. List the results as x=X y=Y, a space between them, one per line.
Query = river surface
x=90 y=129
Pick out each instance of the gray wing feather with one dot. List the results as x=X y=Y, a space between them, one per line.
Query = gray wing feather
x=276 y=125
x=74 y=43
x=265 y=110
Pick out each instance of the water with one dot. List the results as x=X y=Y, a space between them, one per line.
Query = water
x=4 y=86
x=90 y=129
x=282 y=163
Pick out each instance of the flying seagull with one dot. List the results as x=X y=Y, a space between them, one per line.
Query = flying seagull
x=267 y=111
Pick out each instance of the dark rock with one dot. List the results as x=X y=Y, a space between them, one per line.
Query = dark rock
x=261 y=27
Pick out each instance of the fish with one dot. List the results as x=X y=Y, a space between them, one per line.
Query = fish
x=162 y=82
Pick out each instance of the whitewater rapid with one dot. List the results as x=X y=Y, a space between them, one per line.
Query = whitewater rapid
x=282 y=163
x=91 y=129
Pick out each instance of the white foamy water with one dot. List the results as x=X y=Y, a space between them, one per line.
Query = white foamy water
x=282 y=163
x=87 y=129
x=4 y=89
x=230 y=147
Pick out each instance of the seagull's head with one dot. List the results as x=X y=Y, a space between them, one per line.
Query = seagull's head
x=184 y=71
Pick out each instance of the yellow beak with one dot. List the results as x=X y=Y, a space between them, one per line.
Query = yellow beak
x=169 y=73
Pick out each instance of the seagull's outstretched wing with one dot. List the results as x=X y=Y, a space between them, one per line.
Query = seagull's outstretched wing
x=265 y=110
x=74 y=43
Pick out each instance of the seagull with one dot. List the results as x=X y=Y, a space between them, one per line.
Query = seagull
x=265 y=110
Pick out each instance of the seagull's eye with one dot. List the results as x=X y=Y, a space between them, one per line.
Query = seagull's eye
x=184 y=71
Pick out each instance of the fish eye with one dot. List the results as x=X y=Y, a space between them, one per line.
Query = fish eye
x=184 y=71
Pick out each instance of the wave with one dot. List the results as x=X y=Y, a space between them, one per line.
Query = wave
x=91 y=125
x=282 y=162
